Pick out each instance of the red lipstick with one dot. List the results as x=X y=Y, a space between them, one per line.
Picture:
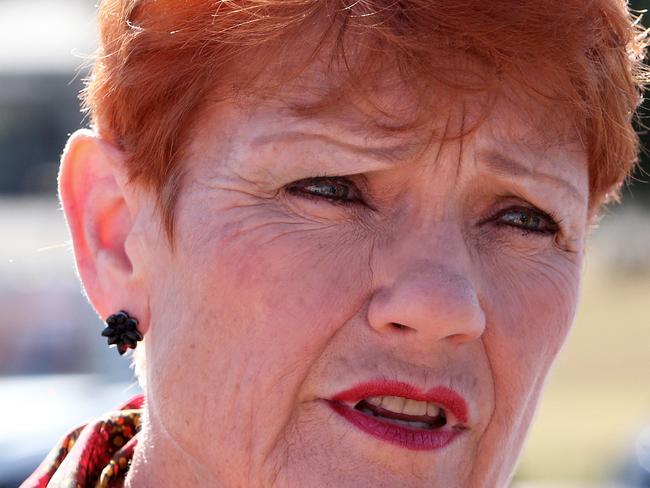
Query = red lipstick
x=404 y=435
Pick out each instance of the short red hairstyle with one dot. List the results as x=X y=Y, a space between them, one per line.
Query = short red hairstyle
x=158 y=59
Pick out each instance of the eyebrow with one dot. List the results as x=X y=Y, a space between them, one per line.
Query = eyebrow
x=505 y=166
x=389 y=155
x=496 y=162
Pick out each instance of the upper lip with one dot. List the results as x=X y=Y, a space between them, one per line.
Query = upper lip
x=443 y=396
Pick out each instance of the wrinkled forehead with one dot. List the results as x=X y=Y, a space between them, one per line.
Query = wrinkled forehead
x=372 y=95
x=388 y=113
x=369 y=101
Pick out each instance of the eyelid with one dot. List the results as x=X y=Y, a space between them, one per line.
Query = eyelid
x=507 y=203
x=509 y=200
x=553 y=227
x=357 y=194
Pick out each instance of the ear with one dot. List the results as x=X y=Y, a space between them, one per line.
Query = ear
x=100 y=207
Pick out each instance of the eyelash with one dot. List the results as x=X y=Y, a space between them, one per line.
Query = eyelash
x=297 y=188
x=552 y=222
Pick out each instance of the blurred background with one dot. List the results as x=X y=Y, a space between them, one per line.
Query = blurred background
x=593 y=425
x=55 y=371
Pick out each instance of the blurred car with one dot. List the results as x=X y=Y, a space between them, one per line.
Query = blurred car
x=635 y=471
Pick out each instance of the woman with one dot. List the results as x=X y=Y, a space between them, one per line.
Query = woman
x=350 y=233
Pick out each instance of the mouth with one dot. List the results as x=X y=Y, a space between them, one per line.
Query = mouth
x=400 y=414
x=402 y=411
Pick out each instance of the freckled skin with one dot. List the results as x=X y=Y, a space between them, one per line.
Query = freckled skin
x=274 y=301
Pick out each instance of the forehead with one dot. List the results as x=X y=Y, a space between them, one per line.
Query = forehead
x=376 y=105
x=388 y=113
x=380 y=99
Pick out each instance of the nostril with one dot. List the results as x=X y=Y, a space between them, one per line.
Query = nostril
x=397 y=326
x=430 y=300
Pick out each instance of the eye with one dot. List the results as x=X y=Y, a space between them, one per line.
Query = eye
x=528 y=219
x=338 y=190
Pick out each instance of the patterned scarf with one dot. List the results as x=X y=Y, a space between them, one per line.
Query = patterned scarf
x=95 y=455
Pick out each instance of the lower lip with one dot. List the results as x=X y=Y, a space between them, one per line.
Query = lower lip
x=413 y=439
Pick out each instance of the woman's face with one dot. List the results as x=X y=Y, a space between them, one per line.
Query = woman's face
x=321 y=265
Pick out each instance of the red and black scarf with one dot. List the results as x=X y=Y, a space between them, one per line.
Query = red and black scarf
x=95 y=455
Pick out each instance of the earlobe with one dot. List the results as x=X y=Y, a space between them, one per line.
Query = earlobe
x=99 y=211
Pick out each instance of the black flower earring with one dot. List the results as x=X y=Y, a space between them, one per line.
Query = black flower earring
x=122 y=331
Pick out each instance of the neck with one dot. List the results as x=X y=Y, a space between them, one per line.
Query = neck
x=158 y=461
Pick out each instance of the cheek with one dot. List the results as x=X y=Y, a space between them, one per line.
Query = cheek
x=529 y=302
x=295 y=282
x=530 y=310
x=534 y=298
x=256 y=297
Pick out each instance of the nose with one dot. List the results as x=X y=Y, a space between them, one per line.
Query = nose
x=429 y=303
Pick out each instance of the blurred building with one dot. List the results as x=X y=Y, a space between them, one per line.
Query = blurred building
x=55 y=370
x=45 y=46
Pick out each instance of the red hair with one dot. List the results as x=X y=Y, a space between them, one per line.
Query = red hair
x=159 y=59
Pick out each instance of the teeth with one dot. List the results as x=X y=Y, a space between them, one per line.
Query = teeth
x=376 y=401
x=413 y=407
x=432 y=410
x=405 y=406
x=394 y=404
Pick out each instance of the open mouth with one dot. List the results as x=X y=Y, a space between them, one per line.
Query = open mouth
x=401 y=414
x=404 y=412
